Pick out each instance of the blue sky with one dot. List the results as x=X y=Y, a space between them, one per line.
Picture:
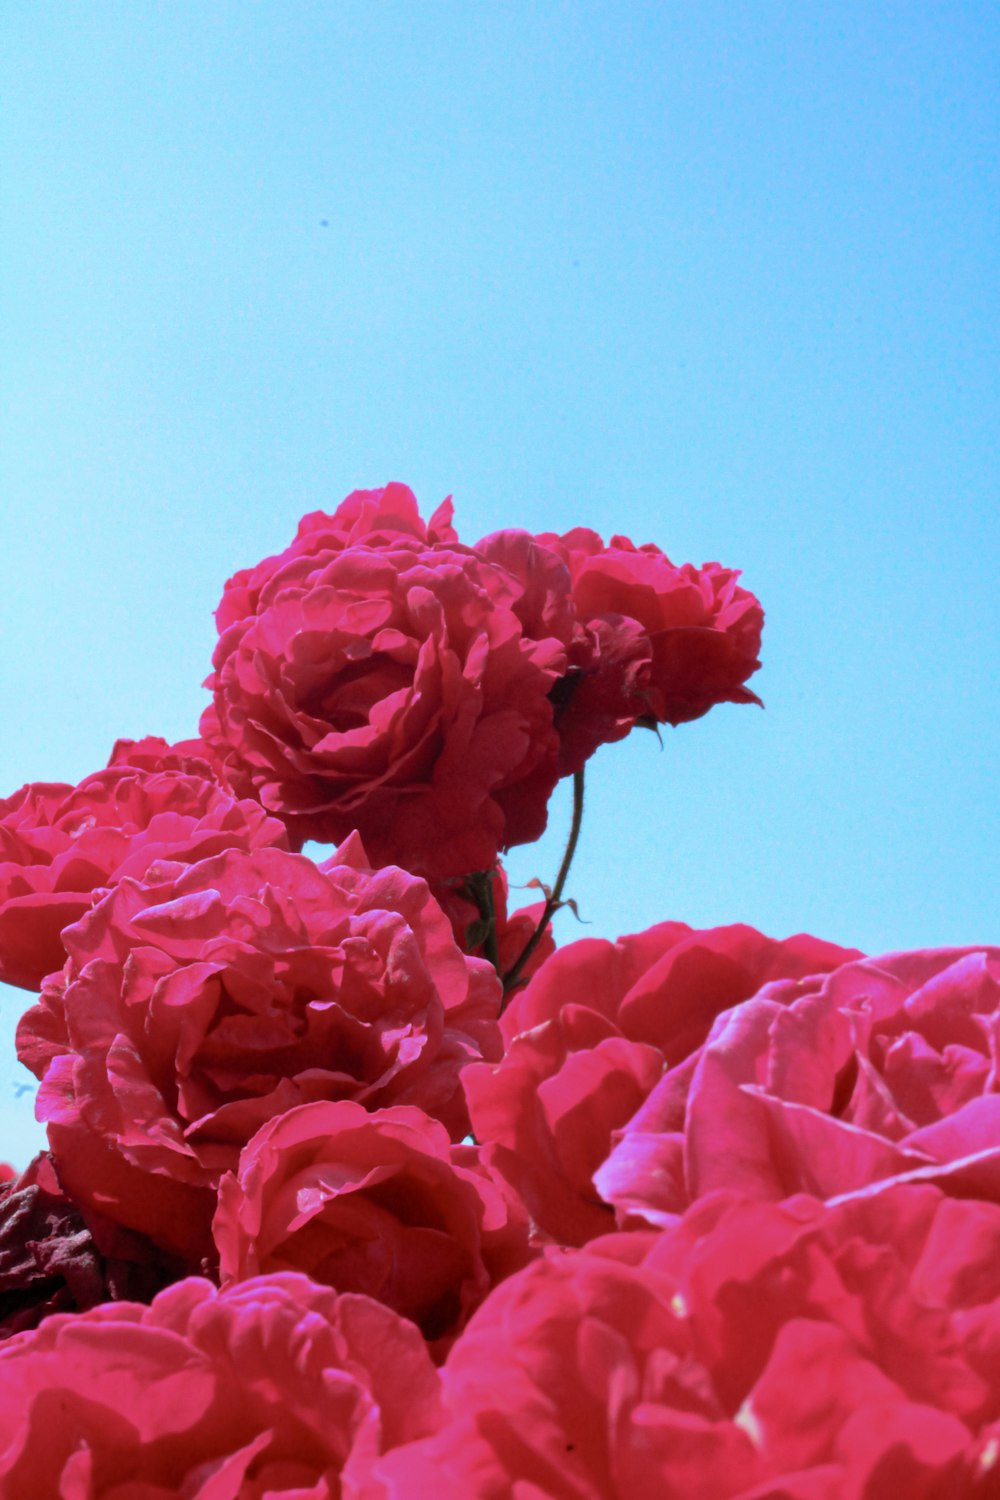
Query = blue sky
x=720 y=276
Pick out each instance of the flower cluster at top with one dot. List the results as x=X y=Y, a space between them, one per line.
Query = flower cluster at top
x=357 y=1187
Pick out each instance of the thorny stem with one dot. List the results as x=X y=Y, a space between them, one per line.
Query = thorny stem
x=513 y=975
x=480 y=886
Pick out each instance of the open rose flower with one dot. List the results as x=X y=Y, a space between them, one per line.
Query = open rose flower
x=654 y=643
x=152 y=753
x=60 y=843
x=757 y=1352
x=884 y=1069
x=382 y=678
x=205 y=999
x=366 y=516
x=590 y=1038
x=379 y=1203
x=272 y=1388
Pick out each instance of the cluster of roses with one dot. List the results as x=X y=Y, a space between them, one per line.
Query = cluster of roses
x=695 y=1214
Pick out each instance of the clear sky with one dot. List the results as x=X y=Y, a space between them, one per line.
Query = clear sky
x=719 y=276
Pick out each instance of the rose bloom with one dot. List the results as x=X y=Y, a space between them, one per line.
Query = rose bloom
x=366 y=516
x=590 y=1038
x=153 y=753
x=383 y=678
x=757 y=1352
x=201 y=1001
x=654 y=643
x=272 y=1388
x=59 y=843
x=885 y=1068
x=55 y=1259
x=380 y=1203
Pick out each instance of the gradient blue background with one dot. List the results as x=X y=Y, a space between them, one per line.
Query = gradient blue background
x=722 y=276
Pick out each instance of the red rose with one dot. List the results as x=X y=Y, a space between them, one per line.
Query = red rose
x=756 y=1351
x=152 y=753
x=59 y=844
x=883 y=1069
x=271 y=1388
x=590 y=1038
x=379 y=1203
x=542 y=597
x=655 y=643
x=366 y=516
x=384 y=682
x=205 y=999
x=53 y=1259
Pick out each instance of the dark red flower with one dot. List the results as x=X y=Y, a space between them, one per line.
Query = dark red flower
x=53 y=1258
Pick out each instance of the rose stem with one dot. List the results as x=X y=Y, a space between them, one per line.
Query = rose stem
x=480 y=885
x=513 y=975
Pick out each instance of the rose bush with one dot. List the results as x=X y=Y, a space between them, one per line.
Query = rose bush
x=59 y=843
x=591 y=1037
x=201 y=1001
x=757 y=1350
x=729 y=1226
x=884 y=1068
x=380 y=1203
x=379 y=676
x=274 y=1387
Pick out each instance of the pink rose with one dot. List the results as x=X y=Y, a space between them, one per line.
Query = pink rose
x=59 y=844
x=757 y=1350
x=205 y=999
x=379 y=1203
x=271 y=1388
x=884 y=1069
x=590 y=1038
x=381 y=679
x=655 y=643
